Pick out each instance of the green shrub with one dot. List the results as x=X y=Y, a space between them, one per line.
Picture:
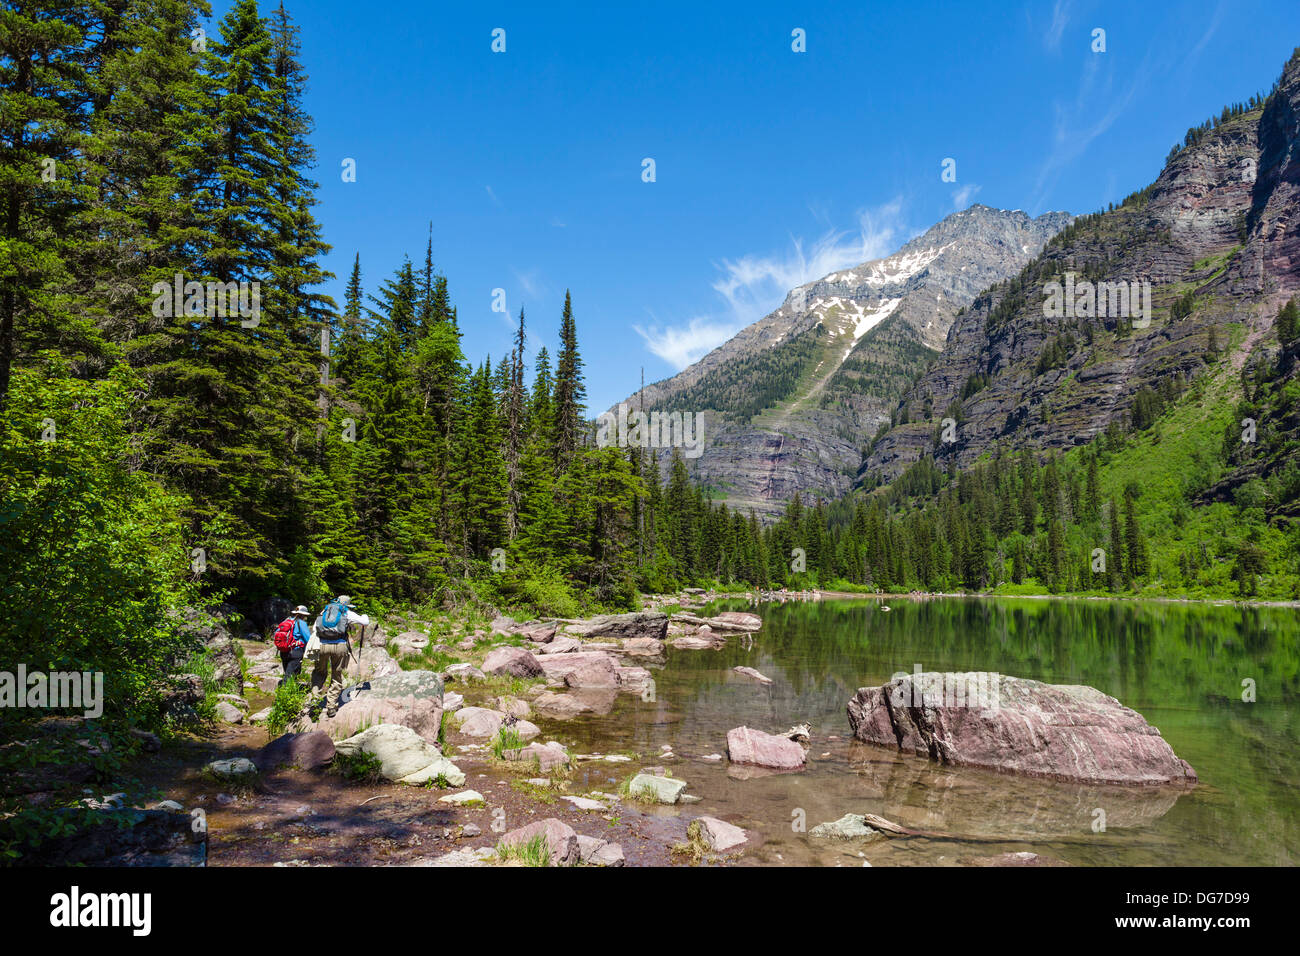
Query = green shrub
x=289 y=699
x=361 y=766
x=96 y=554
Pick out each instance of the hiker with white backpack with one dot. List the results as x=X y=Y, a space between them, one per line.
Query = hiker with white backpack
x=331 y=631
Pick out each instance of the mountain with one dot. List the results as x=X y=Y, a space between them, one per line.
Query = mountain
x=791 y=401
x=1215 y=239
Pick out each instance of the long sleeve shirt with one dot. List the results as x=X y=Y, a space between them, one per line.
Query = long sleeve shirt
x=353 y=618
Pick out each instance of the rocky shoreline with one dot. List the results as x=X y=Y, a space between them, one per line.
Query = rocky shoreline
x=438 y=756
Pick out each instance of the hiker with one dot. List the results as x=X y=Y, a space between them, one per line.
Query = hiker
x=332 y=631
x=291 y=639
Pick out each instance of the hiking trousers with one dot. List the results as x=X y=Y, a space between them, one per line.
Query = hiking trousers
x=292 y=661
x=329 y=667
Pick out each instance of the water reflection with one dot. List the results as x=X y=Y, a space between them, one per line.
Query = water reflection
x=1181 y=666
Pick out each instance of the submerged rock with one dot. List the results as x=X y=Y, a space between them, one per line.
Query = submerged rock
x=1022 y=858
x=702 y=640
x=660 y=789
x=750 y=672
x=1061 y=732
x=758 y=749
x=643 y=647
x=560 y=706
x=549 y=756
x=851 y=826
x=721 y=835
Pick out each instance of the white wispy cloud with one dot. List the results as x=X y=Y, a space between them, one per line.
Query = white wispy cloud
x=1097 y=105
x=683 y=345
x=1060 y=17
x=753 y=285
x=962 y=197
x=532 y=282
x=492 y=195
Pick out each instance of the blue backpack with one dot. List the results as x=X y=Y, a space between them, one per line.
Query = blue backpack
x=333 y=622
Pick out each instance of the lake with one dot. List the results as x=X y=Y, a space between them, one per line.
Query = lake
x=1182 y=666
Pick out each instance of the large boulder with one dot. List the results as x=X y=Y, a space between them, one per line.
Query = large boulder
x=410 y=642
x=557 y=667
x=702 y=640
x=211 y=633
x=463 y=672
x=539 y=632
x=478 y=721
x=736 y=621
x=1057 y=731
x=309 y=751
x=560 y=706
x=755 y=748
x=623 y=626
x=424 y=685
x=503 y=626
x=512 y=662
x=594 y=672
x=408 y=699
x=561 y=840
x=375 y=661
x=561 y=645
x=643 y=647
x=729 y=621
x=636 y=680
x=404 y=756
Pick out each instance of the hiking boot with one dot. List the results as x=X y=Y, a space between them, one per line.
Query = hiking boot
x=331 y=711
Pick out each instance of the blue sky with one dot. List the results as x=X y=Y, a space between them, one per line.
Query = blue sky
x=772 y=167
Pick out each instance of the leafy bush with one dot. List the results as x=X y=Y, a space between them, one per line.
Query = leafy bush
x=95 y=554
x=362 y=767
x=289 y=698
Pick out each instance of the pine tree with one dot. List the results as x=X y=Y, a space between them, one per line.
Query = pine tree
x=44 y=91
x=570 y=392
x=1115 y=559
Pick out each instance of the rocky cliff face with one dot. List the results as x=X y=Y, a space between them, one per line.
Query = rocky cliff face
x=1216 y=237
x=791 y=401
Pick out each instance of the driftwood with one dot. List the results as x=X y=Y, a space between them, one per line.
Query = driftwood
x=891 y=829
x=712 y=623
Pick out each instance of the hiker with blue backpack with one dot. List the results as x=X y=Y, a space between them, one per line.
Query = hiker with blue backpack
x=332 y=632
